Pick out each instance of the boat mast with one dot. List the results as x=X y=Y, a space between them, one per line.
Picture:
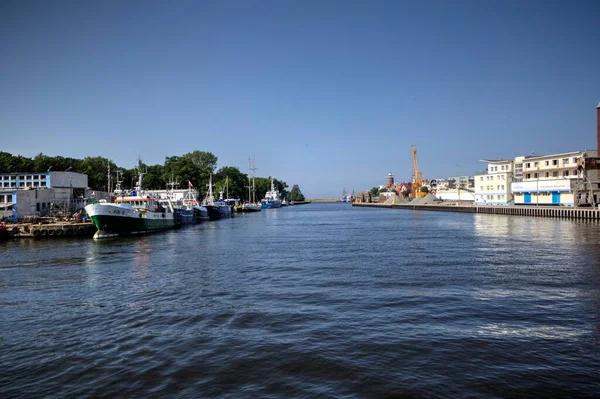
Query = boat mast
x=109 y=179
x=138 y=187
x=210 y=191
x=250 y=181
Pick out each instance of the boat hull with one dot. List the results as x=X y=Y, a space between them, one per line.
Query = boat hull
x=113 y=220
x=271 y=204
x=251 y=208
x=185 y=216
x=216 y=212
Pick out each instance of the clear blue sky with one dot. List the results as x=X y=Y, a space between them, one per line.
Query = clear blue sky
x=325 y=94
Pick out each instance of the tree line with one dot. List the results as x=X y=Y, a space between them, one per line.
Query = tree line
x=192 y=168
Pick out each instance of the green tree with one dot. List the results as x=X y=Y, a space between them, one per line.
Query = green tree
x=374 y=191
x=12 y=164
x=153 y=180
x=424 y=189
x=96 y=168
x=295 y=194
x=195 y=167
x=236 y=181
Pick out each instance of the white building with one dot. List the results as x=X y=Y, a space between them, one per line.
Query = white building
x=494 y=186
x=556 y=179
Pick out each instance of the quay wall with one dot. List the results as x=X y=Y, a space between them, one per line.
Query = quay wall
x=537 y=211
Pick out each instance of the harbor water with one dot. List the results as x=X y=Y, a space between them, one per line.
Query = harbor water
x=319 y=300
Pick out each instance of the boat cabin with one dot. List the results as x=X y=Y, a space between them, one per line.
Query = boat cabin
x=146 y=203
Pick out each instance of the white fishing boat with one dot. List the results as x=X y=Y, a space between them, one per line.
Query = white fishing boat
x=135 y=213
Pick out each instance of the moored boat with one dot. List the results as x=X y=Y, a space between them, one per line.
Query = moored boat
x=251 y=205
x=217 y=209
x=136 y=213
x=271 y=199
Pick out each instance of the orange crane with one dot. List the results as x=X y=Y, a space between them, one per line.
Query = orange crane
x=417 y=176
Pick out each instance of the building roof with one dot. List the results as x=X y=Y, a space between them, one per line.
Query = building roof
x=495 y=160
x=556 y=155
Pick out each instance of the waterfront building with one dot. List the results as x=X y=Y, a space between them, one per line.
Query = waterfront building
x=567 y=179
x=36 y=194
x=493 y=187
x=461 y=182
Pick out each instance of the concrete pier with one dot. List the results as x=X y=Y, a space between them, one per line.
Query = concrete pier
x=537 y=211
x=51 y=230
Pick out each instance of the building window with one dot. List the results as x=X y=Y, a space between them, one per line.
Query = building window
x=547 y=163
x=565 y=173
x=481 y=178
x=481 y=188
x=527 y=165
x=43 y=177
x=22 y=177
x=535 y=164
x=574 y=159
x=528 y=175
x=547 y=174
x=43 y=184
x=555 y=162
x=502 y=187
x=535 y=175
x=22 y=184
x=36 y=177
x=554 y=174
x=565 y=161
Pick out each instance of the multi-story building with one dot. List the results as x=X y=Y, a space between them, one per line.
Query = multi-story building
x=556 y=179
x=461 y=182
x=493 y=187
x=27 y=194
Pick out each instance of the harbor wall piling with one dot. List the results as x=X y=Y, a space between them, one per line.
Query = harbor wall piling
x=535 y=211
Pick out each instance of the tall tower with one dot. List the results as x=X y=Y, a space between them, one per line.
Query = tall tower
x=598 y=127
x=390 y=179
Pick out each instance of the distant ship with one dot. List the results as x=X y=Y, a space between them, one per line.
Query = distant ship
x=345 y=198
x=271 y=199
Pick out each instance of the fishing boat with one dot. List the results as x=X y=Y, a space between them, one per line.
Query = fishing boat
x=217 y=209
x=271 y=199
x=135 y=213
x=191 y=203
x=251 y=205
x=183 y=213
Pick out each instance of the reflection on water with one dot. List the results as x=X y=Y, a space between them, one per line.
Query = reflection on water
x=312 y=301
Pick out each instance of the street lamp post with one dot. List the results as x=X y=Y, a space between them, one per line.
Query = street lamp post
x=537 y=188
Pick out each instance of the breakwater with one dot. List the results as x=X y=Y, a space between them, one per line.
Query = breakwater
x=538 y=211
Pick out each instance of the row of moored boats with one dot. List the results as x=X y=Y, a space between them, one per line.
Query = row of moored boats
x=140 y=212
